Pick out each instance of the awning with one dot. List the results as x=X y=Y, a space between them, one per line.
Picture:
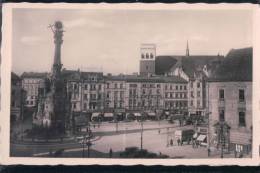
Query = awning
x=137 y=114
x=201 y=137
x=108 y=115
x=95 y=114
x=152 y=114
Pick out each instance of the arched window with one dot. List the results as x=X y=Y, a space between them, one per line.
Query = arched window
x=142 y=56
x=147 y=56
x=151 y=56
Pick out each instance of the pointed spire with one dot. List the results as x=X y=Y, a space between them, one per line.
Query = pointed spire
x=187 y=49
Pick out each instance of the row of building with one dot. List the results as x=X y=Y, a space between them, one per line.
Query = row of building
x=217 y=87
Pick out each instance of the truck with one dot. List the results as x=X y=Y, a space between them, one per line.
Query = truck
x=184 y=135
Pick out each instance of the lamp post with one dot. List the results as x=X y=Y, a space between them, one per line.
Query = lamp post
x=142 y=129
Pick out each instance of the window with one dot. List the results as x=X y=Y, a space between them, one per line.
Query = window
x=85 y=96
x=75 y=86
x=191 y=102
x=241 y=95
x=85 y=106
x=221 y=115
x=166 y=87
x=143 y=91
x=99 y=86
x=158 y=91
x=166 y=95
x=107 y=85
x=130 y=92
x=74 y=106
x=221 y=94
x=99 y=96
x=147 y=67
x=198 y=93
x=176 y=95
x=86 y=86
x=151 y=56
x=198 y=103
x=191 y=94
x=121 y=85
x=176 y=87
x=115 y=85
x=170 y=95
x=143 y=56
x=147 y=56
x=181 y=87
x=198 y=85
x=191 y=84
x=121 y=94
x=184 y=87
x=108 y=94
x=170 y=87
x=242 y=119
x=158 y=86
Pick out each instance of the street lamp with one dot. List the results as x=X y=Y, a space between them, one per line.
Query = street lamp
x=142 y=129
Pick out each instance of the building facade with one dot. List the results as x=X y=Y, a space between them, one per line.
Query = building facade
x=229 y=94
x=17 y=97
x=34 y=84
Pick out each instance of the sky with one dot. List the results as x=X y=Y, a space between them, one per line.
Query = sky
x=109 y=40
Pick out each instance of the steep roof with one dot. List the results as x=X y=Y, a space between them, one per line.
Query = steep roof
x=195 y=63
x=15 y=77
x=164 y=63
x=34 y=75
x=236 y=66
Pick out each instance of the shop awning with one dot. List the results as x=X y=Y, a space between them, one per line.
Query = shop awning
x=137 y=114
x=152 y=114
x=95 y=114
x=108 y=115
x=201 y=137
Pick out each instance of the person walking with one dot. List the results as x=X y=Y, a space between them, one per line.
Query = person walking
x=178 y=141
x=171 y=142
x=110 y=153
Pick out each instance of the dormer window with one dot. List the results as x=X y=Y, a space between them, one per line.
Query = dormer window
x=151 y=56
x=142 y=56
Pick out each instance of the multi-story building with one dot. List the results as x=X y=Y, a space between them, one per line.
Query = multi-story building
x=195 y=69
x=86 y=92
x=17 y=97
x=33 y=83
x=229 y=100
x=115 y=90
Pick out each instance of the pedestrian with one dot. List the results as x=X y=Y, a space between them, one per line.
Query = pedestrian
x=110 y=153
x=171 y=142
x=208 y=152
x=178 y=141
x=94 y=126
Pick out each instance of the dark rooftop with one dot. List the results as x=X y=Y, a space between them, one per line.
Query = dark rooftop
x=236 y=66
x=194 y=63
x=15 y=77
x=34 y=75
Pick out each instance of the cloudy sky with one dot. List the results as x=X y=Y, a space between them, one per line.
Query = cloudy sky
x=109 y=41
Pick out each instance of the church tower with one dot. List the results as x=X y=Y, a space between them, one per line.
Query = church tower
x=147 y=61
x=187 y=49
